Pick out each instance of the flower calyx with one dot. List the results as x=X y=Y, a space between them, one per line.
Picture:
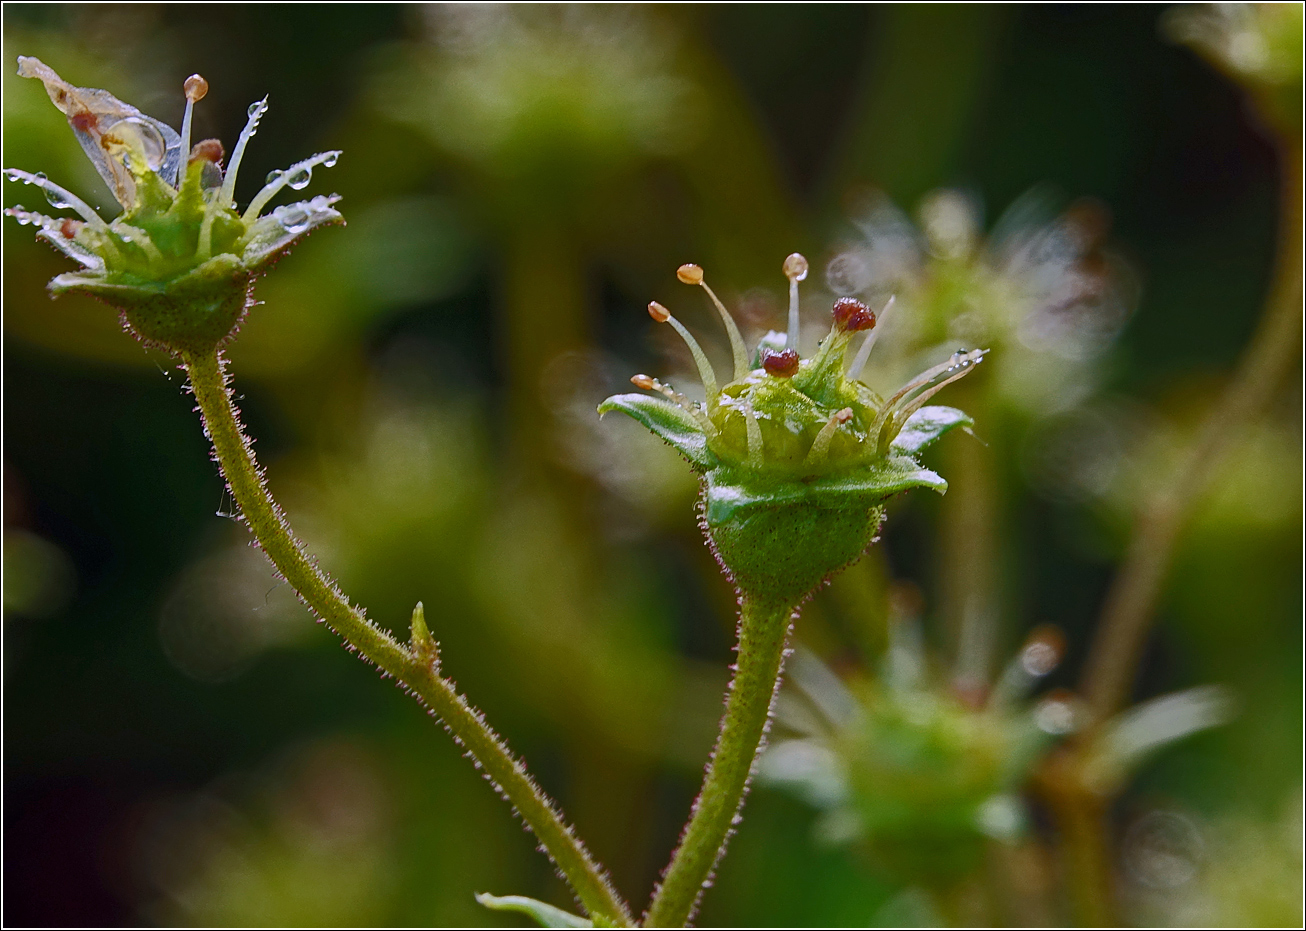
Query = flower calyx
x=797 y=458
x=179 y=262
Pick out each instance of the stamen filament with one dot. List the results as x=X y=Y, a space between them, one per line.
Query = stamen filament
x=864 y=351
x=270 y=189
x=195 y=88
x=652 y=384
x=795 y=269
x=821 y=445
x=228 y=193
x=705 y=372
x=754 y=437
x=67 y=198
x=737 y=348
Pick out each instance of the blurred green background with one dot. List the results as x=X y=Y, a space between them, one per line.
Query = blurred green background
x=183 y=745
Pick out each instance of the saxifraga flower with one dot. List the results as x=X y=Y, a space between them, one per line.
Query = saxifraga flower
x=797 y=458
x=180 y=261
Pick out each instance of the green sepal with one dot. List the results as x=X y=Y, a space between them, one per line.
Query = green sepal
x=194 y=312
x=927 y=425
x=672 y=423
x=727 y=492
x=547 y=915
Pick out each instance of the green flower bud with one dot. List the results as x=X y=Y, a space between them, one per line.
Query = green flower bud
x=797 y=458
x=179 y=262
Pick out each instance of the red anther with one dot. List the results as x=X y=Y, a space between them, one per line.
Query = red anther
x=208 y=149
x=69 y=227
x=851 y=315
x=782 y=364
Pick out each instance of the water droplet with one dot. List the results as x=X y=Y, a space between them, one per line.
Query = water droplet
x=38 y=178
x=293 y=219
x=137 y=134
x=300 y=179
x=255 y=107
x=331 y=159
x=56 y=200
x=274 y=175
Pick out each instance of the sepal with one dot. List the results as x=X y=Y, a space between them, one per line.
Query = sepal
x=670 y=422
x=927 y=425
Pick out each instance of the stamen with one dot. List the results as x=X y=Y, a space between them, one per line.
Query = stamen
x=705 y=372
x=820 y=450
x=693 y=274
x=754 y=437
x=652 y=384
x=195 y=88
x=795 y=269
x=297 y=176
x=864 y=352
x=205 y=247
x=256 y=111
x=57 y=196
x=928 y=383
x=780 y=364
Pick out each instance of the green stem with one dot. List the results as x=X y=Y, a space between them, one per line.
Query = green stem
x=417 y=670
x=763 y=631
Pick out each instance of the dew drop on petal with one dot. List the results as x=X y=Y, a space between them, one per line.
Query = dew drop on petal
x=274 y=175
x=38 y=177
x=331 y=159
x=300 y=179
x=254 y=107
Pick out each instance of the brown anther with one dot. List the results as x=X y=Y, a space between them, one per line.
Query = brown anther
x=658 y=312
x=642 y=381
x=783 y=364
x=851 y=315
x=210 y=150
x=84 y=121
x=69 y=227
x=690 y=274
x=195 y=87
x=795 y=267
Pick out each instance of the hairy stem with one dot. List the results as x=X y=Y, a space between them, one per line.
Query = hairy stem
x=763 y=631
x=1127 y=614
x=416 y=670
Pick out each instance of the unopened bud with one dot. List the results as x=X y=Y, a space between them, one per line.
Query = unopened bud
x=690 y=274
x=851 y=315
x=658 y=312
x=782 y=364
x=795 y=267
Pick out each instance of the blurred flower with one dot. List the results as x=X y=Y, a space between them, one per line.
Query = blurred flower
x=553 y=96
x=1039 y=290
x=1259 y=45
x=179 y=262
x=923 y=775
x=797 y=442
